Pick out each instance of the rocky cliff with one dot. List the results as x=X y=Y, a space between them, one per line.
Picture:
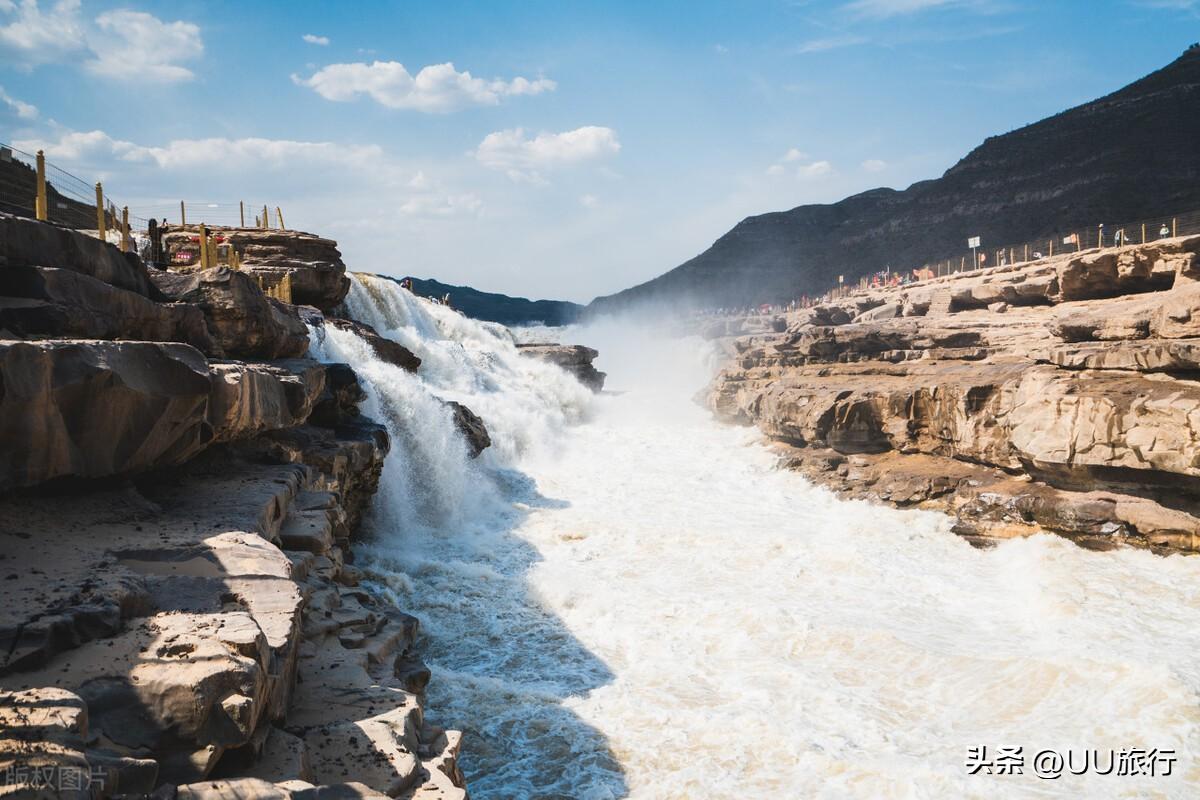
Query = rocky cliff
x=1128 y=156
x=1058 y=395
x=181 y=489
x=312 y=264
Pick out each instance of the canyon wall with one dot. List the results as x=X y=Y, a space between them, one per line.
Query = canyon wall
x=179 y=611
x=1059 y=395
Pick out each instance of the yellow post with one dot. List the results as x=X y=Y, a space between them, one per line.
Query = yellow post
x=285 y=288
x=1143 y=233
x=1027 y=251
x=279 y=214
x=1051 y=247
x=1174 y=227
x=203 y=246
x=41 y=210
x=266 y=218
x=100 y=211
x=242 y=212
x=182 y=214
x=125 y=229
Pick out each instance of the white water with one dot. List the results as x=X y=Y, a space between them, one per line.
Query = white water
x=622 y=598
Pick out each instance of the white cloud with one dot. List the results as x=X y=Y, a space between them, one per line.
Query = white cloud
x=437 y=88
x=803 y=171
x=882 y=9
x=433 y=205
x=874 y=165
x=139 y=46
x=817 y=169
x=589 y=200
x=184 y=154
x=721 y=49
x=312 y=38
x=22 y=109
x=522 y=156
x=37 y=36
x=832 y=43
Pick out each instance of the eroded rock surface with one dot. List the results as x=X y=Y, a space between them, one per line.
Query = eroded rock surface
x=1061 y=395
x=243 y=321
x=179 y=567
x=313 y=264
x=574 y=358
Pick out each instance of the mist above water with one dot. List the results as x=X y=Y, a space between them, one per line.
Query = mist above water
x=623 y=598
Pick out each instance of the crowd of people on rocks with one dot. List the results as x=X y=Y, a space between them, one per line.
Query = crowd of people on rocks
x=444 y=300
x=888 y=278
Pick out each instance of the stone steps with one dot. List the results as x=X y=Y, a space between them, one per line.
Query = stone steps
x=942 y=303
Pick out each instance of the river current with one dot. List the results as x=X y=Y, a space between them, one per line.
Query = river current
x=624 y=598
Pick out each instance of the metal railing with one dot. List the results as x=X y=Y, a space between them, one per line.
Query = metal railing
x=32 y=186
x=228 y=214
x=1091 y=237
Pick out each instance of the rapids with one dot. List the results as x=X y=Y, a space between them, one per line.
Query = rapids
x=623 y=598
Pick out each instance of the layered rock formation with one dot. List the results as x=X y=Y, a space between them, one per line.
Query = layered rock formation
x=181 y=489
x=313 y=264
x=1059 y=395
x=1128 y=156
x=574 y=358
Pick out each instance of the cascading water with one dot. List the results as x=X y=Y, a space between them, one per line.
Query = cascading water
x=622 y=598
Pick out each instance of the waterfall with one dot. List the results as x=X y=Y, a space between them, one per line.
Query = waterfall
x=621 y=598
x=431 y=484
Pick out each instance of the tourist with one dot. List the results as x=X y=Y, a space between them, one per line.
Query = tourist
x=1164 y=232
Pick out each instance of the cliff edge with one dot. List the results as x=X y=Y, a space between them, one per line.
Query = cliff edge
x=1059 y=395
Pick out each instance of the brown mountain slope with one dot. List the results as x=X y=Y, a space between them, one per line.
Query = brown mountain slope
x=1130 y=155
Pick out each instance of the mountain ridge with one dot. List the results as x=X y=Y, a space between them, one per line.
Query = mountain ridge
x=495 y=307
x=1127 y=155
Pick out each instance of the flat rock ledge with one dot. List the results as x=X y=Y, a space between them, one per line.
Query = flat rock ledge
x=1061 y=395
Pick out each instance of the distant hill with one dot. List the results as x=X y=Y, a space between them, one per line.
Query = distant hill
x=499 y=307
x=1132 y=155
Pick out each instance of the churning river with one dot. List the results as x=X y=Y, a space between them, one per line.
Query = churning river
x=622 y=598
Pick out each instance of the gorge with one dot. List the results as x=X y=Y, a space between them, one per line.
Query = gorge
x=614 y=596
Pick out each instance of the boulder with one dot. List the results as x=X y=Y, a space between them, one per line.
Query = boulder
x=244 y=322
x=386 y=349
x=472 y=428
x=248 y=399
x=880 y=312
x=29 y=243
x=575 y=359
x=49 y=301
x=339 y=400
x=92 y=408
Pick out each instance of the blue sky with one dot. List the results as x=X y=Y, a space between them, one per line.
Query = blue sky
x=572 y=148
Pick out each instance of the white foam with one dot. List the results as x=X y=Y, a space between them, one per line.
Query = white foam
x=624 y=598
